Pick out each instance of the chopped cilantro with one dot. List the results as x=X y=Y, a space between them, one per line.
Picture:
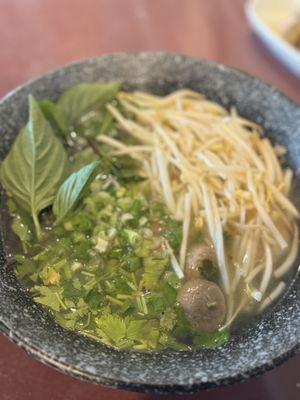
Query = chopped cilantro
x=210 y=340
x=168 y=319
x=154 y=269
x=48 y=297
x=113 y=326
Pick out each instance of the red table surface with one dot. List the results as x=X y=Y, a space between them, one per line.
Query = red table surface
x=40 y=35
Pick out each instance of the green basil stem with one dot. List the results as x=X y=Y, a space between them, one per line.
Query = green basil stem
x=37 y=226
x=107 y=163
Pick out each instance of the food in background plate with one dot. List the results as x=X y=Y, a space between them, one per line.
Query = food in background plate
x=292 y=34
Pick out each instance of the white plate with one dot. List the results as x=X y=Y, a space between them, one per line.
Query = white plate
x=267 y=18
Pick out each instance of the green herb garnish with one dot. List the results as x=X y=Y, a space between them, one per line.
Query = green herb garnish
x=72 y=190
x=35 y=166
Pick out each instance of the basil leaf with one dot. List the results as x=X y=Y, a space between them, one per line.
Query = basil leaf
x=84 y=97
x=96 y=122
x=34 y=167
x=72 y=190
x=55 y=116
x=107 y=124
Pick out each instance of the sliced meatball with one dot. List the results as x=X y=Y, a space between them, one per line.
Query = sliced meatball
x=196 y=259
x=203 y=303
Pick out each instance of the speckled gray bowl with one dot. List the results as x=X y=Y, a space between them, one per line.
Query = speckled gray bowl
x=272 y=340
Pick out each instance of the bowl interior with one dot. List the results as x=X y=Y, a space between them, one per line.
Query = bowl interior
x=270 y=341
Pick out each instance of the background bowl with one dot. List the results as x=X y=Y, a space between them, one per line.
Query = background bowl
x=273 y=339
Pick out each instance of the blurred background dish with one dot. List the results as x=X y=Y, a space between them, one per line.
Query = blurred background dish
x=277 y=23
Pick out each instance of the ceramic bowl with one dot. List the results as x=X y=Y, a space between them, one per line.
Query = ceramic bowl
x=268 y=342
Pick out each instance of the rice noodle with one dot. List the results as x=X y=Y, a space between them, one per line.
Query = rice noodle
x=235 y=314
x=128 y=150
x=277 y=168
x=214 y=167
x=272 y=296
x=263 y=214
x=289 y=261
x=176 y=267
x=288 y=177
x=219 y=246
x=260 y=267
x=185 y=229
x=164 y=179
x=268 y=269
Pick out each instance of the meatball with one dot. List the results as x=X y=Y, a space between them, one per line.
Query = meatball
x=196 y=259
x=203 y=303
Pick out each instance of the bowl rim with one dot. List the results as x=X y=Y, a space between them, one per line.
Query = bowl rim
x=81 y=61
x=120 y=384
x=114 y=382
